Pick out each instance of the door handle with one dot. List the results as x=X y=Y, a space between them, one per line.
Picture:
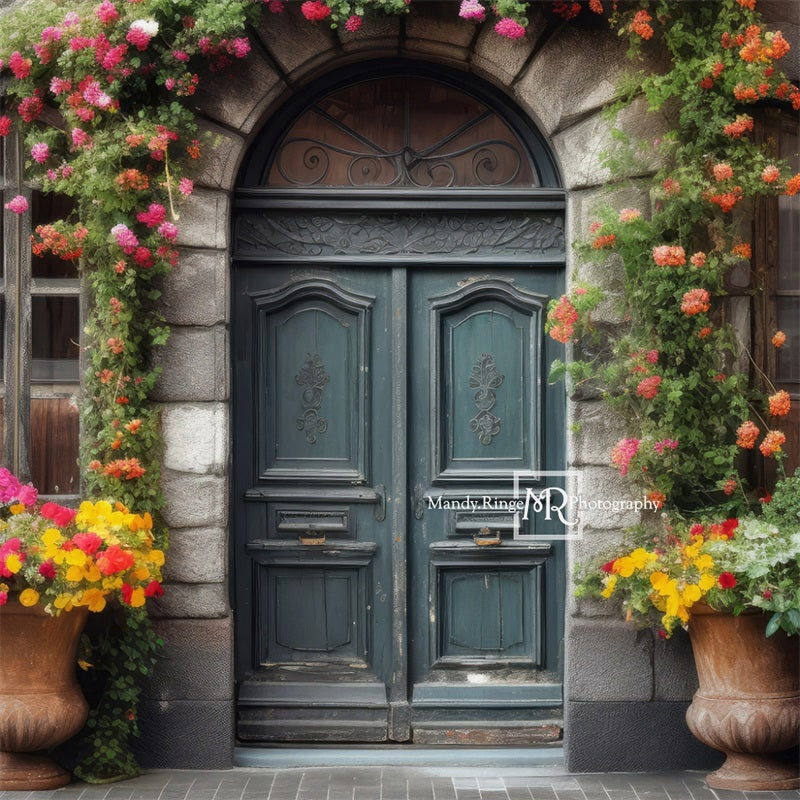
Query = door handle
x=380 y=511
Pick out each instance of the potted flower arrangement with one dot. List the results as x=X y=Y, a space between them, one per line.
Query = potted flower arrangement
x=57 y=565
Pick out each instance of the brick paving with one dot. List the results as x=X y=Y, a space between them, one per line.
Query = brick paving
x=400 y=783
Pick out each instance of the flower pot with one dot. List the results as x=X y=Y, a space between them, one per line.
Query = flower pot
x=41 y=704
x=748 y=703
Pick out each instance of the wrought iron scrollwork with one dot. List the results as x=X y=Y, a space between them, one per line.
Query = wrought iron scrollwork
x=312 y=378
x=485 y=378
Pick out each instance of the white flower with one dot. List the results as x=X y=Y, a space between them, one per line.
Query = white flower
x=147 y=26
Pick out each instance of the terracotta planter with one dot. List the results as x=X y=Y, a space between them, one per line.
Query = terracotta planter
x=41 y=704
x=748 y=703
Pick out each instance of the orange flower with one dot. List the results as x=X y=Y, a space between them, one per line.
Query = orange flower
x=779 y=339
x=772 y=443
x=746 y=435
x=743 y=250
x=656 y=498
x=793 y=185
x=695 y=301
x=780 y=404
x=722 y=171
x=703 y=332
x=604 y=241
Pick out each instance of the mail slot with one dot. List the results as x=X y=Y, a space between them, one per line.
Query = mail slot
x=294 y=521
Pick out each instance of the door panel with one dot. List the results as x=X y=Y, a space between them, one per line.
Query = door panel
x=312 y=381
x=485 y=625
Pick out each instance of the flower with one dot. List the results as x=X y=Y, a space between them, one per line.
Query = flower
x=771 y=443
x=741 y=125
x=40 y=152
x=770 y=174
x=509 y=28
x=669 y=256
x=722 y=171
x=779 y=403
x=629 y=214
x=639 y=25
x=141 y=31
x=62 y=558
x=622 y=453
x=18 y=204
x=354 y=23
x=314 y=10
x=607 y=240
x=778 y=339
x=668 y=565
x=746 y=435
x=695 y=301
x=472 y=9
x=698 y=259
x=648 y=387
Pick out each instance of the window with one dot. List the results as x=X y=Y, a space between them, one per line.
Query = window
x=776 y=258
x=40 y=320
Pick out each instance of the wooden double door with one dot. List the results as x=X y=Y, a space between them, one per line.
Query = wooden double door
x=381 y=410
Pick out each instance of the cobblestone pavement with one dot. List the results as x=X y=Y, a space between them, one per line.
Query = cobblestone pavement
x=399 y=783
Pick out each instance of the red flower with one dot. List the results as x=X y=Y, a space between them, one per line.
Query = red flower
x=314 y=10
x=727 y=580
x=114 y=560
x=153 y=589
x=47 y=569
x=88 y=542
x=61 y=515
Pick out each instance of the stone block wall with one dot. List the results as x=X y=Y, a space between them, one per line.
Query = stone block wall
x=625 y=693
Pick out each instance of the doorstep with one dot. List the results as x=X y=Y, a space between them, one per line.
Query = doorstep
x=547 y=759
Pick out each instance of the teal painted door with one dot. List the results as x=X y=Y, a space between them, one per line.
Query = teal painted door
x=380 y=412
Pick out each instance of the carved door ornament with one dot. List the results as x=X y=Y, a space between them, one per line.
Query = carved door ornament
x=312 y=378
x=485 y=378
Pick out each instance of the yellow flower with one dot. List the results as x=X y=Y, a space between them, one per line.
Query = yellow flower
x=29 y=597
x=137 y=597
x=74 y=574
x=64 y=602
x=691 y=594
x=13 y=564
x=706 y=582
x=611 y=582
x=627 y=565
x=704 y=562
x=17 y=508
x=94 y=599
x=76 y=557
x=157 y=557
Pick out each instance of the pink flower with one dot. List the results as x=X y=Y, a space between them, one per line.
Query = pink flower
x=154 y=215
x=60 y=515
x=60 y=85
x=622 y=453
x=18 y=204
x=114 y=56
x=40 y=152
x=240 y=47
x=629 y=214
x=106 y=12
x=186 y=187
x=665 y=444
x=27 y=494
x=70 y=19
x=509 y=28
x=353 y=23
x=652 y=356
x=472 y=9
x=47 y=569
x=5 y=125
x=275 y=6
x=168 y=230
x=180 y=55
x=21 y=67
x=29 y=108
x=125 y=237
x=79 y=137
x=141 y=32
